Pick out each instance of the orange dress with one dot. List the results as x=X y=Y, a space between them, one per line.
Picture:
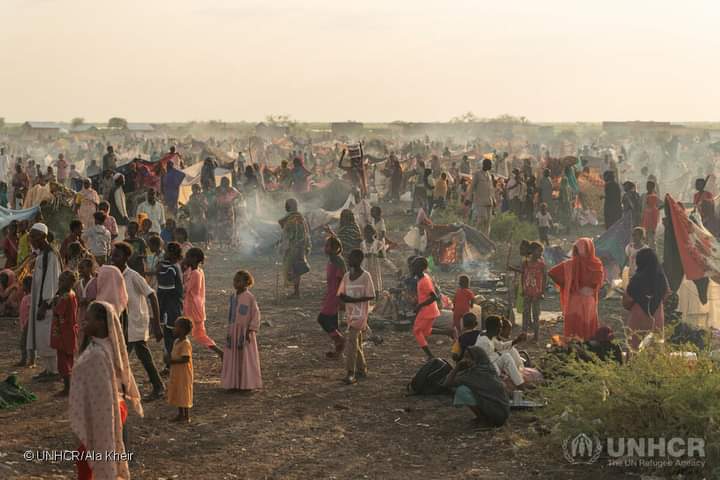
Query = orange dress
x=651 y=213
x=579 y=279
x=180 y=388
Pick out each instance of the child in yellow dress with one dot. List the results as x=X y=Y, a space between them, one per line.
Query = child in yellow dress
x=180 y=388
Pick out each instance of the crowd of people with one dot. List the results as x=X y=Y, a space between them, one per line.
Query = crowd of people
x=127 y=272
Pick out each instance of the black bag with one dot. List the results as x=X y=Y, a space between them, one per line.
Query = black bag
x=301 y=267
x=430 y=378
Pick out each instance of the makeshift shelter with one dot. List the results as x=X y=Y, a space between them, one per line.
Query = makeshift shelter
x=7 y=215
x=192 y=176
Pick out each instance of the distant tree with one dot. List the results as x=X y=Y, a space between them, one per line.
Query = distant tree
x=77 y=121
x=467 y=117
x=280 y=120
x=2 y=122
x=509 y=119
x=117 y=122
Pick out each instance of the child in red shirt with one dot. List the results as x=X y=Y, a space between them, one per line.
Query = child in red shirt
x=534 y=283
x=65 y=327
x=462 y=303
x=328 y=317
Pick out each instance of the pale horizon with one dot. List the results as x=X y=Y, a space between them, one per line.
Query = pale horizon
x=178 y=61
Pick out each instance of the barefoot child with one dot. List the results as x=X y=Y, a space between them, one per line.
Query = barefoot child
x=65 y=327
x=194 y=299
x=426 y=310
x=371 y=248
x=25 y=360
x=356 y=290
x=155 y=244
x=180 y=387
x=328 y=317
x=241 y=360
x=462 y=303
x=170 y=293
x=139 y=248
x=534 y=283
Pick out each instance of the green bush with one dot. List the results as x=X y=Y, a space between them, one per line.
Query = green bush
x=654 y=395
x=506 y=224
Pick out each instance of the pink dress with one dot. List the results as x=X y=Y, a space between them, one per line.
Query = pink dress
x=241 y=361
x=194 y=305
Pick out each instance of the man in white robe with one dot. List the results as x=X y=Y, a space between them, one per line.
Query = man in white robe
x=44 y=287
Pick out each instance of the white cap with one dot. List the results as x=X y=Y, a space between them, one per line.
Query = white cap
x=118 y=175
x=40 y=227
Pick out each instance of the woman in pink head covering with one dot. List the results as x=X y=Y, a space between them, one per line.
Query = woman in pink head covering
x=111 y=288
x=103 y=388
x=579 y=279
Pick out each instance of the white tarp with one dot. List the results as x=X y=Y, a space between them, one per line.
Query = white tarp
x=192 y=176
x=7 y=215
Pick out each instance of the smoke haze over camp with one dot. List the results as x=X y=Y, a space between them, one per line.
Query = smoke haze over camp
x=321 y=60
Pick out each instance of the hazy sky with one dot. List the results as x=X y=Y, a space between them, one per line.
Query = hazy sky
x=369 y=60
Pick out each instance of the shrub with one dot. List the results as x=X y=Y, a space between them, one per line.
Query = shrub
x=654 y=395
x=506 y=224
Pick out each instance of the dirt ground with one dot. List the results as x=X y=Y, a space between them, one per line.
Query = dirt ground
x=305 y=423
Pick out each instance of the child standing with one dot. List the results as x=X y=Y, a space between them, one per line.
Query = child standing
x=534 y=283
x=98 y=239
x=356 y=290
x=378 y=222
x=154 y=243
x=24 y=314
x=181 y=237
x=65 y=327
x=110 y=222
x=462 y=303
x=170 y=292
x=544 y=222
x=139 y=248
x=468 y=338
x=194 y=299
x=637 y=244
x=651 y=213
x=371 y=249
x=426 y=311
x=241 y=360
x=180 y=387
x=328 y=317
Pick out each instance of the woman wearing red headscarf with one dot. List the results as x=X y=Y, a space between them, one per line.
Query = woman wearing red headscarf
x=579 y=280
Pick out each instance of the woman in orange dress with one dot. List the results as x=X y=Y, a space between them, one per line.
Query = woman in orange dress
x=579 y=279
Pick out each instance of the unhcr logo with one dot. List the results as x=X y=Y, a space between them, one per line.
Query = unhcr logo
x=582 y=449
x=638 y=452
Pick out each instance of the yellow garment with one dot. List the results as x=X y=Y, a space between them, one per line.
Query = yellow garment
x=38 y=194
x=180 y=390
x=23 y=247
x=441 y=188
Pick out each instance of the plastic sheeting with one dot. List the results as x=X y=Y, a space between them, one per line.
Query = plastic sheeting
x=192 y=176
x=8 y=215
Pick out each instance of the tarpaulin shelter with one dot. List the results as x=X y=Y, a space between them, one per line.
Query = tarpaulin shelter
x=192 y=176
x=7 y=215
